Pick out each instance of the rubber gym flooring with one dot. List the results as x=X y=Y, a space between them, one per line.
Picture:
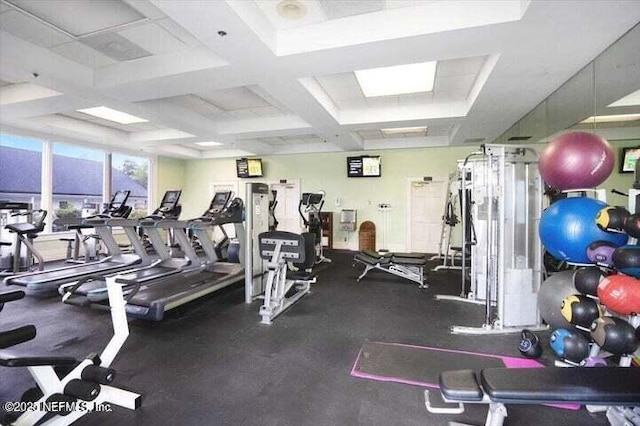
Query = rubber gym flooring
x=213 y=363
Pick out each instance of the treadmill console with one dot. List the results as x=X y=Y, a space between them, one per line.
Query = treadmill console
x=117 y=206
x=219 y=202
x=233 y=213
x=169 y=207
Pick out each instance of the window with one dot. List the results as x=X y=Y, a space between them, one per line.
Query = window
x=77 y=181
x=20 y=169
x=131 y=173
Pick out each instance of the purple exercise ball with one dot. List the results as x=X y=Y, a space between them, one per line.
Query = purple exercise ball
x=576 y=160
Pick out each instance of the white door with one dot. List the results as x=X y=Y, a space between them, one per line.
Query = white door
x=426 y=206
x=286 y=212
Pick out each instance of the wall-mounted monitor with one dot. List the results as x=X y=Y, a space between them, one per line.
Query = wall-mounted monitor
x=628 y=158
x=364 y=166
x=249 y=167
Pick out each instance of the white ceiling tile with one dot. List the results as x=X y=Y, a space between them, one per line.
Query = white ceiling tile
x=115 y=46
x=397 y=4
x=450 y=95
x=243 y=114
x=415 y=98
x=83 y=54
x=272 y=140
x=80 y=17
x=153 y=38
x=382 y=101
x=267 y=112
x=180 y=33
x=146 y=8
x=370 y=134
x=454 y=82
x=338 y=81
x=31 y=30
x=460 y=66
x=351 y=104
x=336 y=9
x=234 y=99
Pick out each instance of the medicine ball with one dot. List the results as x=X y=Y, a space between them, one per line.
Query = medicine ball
x=614 y=335
x=626 y=259
x=580 y=310
x=529 y=345
x=612 y=219
x=550 y=296
x=569 y=346
x=632 y=225
x=568 y=226
x=586 y=280
x=601 y=253
x=620 y=294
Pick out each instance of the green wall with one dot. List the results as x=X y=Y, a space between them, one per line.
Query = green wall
x=327 y=171
x=170 y=174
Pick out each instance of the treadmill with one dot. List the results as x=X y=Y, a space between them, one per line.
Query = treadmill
x=151 y=301
x=95 y=291
x=44 y=283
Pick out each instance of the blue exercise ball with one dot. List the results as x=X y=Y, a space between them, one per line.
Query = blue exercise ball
x=568 y=227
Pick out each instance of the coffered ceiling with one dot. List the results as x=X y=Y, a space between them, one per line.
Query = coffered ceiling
x=278 y=76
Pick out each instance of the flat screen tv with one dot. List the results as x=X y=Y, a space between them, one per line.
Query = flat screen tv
x=628 y=158
x=364 y=166
x=249 y=167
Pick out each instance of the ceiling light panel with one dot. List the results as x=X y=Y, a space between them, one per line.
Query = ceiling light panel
x=336 y=9
x=632 y=99
x=112 y=115
x=396 y=130
x=615 y=118
x=396 y=80
x=209 y=143
x=81 y=17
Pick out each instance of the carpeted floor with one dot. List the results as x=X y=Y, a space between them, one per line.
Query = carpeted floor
x=213 y=363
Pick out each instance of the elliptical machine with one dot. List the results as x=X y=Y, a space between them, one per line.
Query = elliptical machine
x=313 y=202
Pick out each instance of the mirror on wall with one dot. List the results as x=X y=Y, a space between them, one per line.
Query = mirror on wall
x=608 y=88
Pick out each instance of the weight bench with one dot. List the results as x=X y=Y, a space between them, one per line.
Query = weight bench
x=406 y=265
x=612 y=387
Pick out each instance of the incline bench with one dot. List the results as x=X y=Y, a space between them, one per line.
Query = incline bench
x=406 y=265
x=599 y=386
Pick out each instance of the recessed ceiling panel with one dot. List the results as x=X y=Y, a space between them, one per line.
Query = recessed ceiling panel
x=234 y=99
x=115 y=46
x=460 y=66
x=81 y=17
x=336 y=9
x=31 y=30
x=83 y=54
x=152 y=38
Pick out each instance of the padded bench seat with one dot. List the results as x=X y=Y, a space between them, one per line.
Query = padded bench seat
x=410 y=261
x=596 y=385
x=406 y=265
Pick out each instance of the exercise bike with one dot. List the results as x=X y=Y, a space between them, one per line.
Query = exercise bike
x=313 y=203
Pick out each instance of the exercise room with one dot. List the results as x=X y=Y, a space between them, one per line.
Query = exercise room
x=319 y=212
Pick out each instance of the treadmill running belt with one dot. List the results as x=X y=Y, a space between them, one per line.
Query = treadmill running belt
x=173 y=287
x=86 y=269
